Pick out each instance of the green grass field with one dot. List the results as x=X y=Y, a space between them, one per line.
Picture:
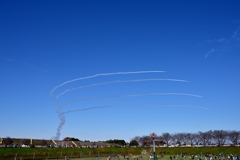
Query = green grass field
x=103 y=153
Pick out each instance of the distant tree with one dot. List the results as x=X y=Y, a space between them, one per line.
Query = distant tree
x=209 y=137
x=75 y=139
x=137 y=138
x=174 y=138
x=133 y=143
x=234 y=137
x=183 y=139
x=160 y=141
x=70 y=139
x=220 y=137
x=191 y=138
x=178 y=138
x=43 y=142
x=145 y=141
x=116 y=142
x=66 y=139
x=7 y=141
x=26 y=141
x=166 y=137
x=205 y=137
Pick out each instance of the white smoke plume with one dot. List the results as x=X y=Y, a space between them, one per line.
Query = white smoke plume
x=128 y=95
x=119 y=81
x=62 y=122
x=103 y=74
x=61 y=114
x=136 y=105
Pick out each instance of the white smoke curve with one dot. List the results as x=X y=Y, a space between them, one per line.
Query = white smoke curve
x=90 y=108
x=62 y=118
x=128 y=95
x=136 y=105
x=119 y=81
x=61 y=114
x=103 y=74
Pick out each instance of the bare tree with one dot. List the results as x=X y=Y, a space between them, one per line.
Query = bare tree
x=193 y=138
x=187 y=138
x=220 y=137
x=182 y=138
x=145 y=141
x=176 y=138
x=159 y=141
x=205 y=137
x=166 y=137
x=234 y=137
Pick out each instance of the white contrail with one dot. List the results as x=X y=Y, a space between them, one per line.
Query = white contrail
x=118 y=81
x=103 y=74
x=135 y=105
x=84 y=109
x=128 y=95
x=184 y=106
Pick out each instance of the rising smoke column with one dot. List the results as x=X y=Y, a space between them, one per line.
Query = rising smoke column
x=62 y=122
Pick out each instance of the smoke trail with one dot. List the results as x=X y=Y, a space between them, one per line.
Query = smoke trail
x=61 y=114
x=90 y=108
x=62 y=122
x=62 y=118
x=184 y=106
x=119 y=81
x=135 y=105
x=128 y=95
x=103 y=74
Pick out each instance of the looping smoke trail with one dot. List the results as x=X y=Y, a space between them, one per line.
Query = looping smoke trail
x=103 y=74
x=119 y=81
x=128 y=95
x=61 y=114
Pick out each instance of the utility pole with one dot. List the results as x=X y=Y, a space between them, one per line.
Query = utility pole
x=153 y=136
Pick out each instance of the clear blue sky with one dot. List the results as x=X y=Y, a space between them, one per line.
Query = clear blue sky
x=46 y=43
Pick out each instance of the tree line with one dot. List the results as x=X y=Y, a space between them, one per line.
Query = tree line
x=208 y=138
x=12 y=142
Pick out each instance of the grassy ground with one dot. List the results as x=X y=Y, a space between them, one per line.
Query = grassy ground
x=103 y=153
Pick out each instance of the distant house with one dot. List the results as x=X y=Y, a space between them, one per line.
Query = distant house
x=25 y=146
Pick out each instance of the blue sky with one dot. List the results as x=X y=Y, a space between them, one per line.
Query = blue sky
x=44 y=44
